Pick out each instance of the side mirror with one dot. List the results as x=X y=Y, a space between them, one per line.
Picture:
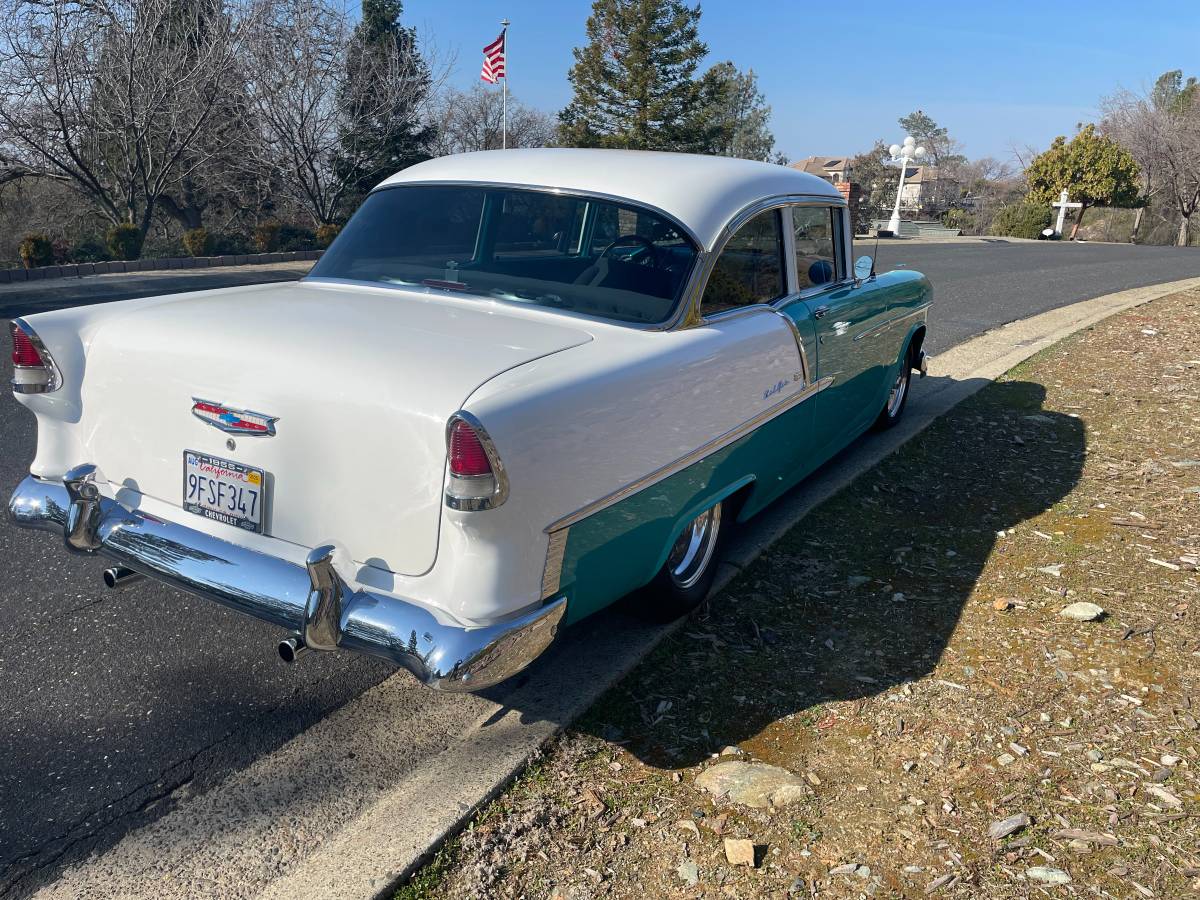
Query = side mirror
x=864 y=268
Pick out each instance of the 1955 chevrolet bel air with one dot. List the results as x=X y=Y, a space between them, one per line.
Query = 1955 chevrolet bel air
x=518 y=386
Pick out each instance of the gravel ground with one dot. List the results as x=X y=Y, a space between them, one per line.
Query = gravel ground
x=903 y=656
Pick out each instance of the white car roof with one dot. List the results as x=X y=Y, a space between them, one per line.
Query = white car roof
x=701 y=192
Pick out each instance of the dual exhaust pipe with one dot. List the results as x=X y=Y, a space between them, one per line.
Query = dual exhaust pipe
x=118 y=578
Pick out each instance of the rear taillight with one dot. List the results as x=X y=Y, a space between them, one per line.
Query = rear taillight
x=33 y=369
x=476 y=476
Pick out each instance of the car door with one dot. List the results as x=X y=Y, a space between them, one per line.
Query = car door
x=750 y=275
x=841 y=312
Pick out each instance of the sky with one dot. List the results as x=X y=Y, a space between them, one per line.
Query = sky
x=837 y=76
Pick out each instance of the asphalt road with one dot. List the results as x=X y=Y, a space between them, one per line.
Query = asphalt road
x=117 y=707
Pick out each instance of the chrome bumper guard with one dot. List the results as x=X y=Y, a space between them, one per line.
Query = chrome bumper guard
x=313 y=601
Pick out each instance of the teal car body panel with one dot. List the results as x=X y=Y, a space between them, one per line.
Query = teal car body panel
x=859 y=354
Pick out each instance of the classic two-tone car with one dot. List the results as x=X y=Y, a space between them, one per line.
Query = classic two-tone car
x=518 y=386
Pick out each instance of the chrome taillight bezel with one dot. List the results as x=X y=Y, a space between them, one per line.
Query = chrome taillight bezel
x=473 y=493
x=53 y=376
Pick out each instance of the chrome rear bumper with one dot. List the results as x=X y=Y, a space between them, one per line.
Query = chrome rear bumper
x=313 y=601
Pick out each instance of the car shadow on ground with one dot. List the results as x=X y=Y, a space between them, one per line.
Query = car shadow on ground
x=861 y=596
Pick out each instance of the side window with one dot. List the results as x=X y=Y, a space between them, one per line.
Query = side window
x=817 y=250
x=749 y=269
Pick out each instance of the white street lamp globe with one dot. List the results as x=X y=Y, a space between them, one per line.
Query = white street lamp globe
x=894 y=149
x=910 y=141
x=919 y=153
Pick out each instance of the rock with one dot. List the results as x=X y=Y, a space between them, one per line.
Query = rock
x=940 y=881
x=1011 y=825
x=753 y=784
x=739 y=852
x=689 y=872
x=1086 y=837
x=1006 y=759
x=730 y=750
x=1168 y=760
x=1054 y=570
x=798 y=886
x=1002 y=605
x=689 y=826
x=857 y=580
x=1095 y=755
x=1047 y=875
x=1082 y=611
x=898 y=597
x=1163 y=795
x=844 y=869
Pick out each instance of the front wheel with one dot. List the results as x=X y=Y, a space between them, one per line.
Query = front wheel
x=687 y=576
x=897 y=398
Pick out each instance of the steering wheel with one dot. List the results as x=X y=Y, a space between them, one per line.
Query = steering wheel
x=632 y=238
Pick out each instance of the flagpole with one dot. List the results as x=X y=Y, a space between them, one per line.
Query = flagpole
x=504 y=92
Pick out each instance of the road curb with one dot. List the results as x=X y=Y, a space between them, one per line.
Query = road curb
x=383 y=841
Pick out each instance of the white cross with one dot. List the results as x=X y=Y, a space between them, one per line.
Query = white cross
x=1063 y=206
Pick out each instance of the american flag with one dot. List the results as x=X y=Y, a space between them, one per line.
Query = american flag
x=493 y=60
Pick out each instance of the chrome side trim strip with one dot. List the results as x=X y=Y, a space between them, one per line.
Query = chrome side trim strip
x=894 y=320
x=552 y=574
x=718 y=443
x=805 y=371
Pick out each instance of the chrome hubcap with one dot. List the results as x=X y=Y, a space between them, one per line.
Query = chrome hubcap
x=899 y=389
x=693 y=551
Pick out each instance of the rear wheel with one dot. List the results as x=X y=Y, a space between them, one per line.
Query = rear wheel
x=687 y=576
x=897 y=398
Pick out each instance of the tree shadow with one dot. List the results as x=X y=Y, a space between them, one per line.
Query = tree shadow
x=861 y=596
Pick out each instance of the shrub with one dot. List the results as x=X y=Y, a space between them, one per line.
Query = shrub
x=326 y=233
x=266 y=236
x=124 y=241
x=224 y=244
x=960 y=219
x=89 y=250
x=296 y=237
x=198 y=242
x=36 y=250
x=1023 y=220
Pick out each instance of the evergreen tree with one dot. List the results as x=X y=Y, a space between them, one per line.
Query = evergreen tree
x=385 y=131
x=735 y=114
x=1093 y=169
x=634 y=81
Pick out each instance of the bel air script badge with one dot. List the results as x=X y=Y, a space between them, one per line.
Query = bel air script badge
x=234 y=421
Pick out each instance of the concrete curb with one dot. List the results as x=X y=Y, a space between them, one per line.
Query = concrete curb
x=252 y=826
x=79 y=270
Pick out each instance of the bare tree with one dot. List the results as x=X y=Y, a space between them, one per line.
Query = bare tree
x=110 y=96
x=470 y=120
x=1161 y=130
x=297 y=55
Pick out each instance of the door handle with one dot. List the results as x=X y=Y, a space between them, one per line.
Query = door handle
x=819 y=312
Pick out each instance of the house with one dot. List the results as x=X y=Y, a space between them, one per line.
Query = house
x=832 y=168
x=925 y=189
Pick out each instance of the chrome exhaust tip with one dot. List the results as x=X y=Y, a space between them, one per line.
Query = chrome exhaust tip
x=291 y=648
x=119 y=577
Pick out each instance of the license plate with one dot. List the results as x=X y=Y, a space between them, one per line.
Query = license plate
x=224 y=490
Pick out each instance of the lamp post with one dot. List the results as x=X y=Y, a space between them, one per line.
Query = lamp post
x=905 y=153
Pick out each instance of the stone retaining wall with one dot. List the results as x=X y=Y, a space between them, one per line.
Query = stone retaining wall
x=76 y=270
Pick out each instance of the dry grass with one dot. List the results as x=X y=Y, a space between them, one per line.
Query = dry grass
x=902 y=650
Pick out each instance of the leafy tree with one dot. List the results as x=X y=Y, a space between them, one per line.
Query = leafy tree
x=1171 y=94
x=386 y=129
x=1094 y=170
x=942 y=149
x=735 y=113
x=877 y=181
x=634 y=80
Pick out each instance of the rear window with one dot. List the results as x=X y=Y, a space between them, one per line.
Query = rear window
x=596 y=257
